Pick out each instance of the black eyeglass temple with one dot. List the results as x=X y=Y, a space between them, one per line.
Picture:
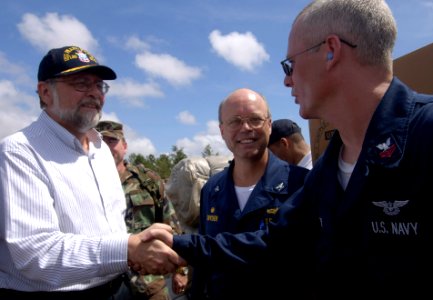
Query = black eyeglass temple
x=347 y=43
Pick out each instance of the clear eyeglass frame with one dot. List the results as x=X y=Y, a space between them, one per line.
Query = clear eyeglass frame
x=255 y=122
x=85 y=85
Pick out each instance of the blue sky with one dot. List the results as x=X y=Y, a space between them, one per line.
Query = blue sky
x=175 y=60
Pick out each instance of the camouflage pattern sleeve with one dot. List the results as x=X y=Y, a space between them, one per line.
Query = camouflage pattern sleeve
x=169 y=213
x=141 y=194
x=142 y=190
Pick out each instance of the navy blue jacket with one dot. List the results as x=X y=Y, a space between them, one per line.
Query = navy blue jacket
x=371 y=241
x=220 y=212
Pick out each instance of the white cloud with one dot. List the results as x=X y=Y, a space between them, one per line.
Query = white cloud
x=185 y=117
x=17 y=109
x=427 y=4
x=211 y=137
x=136 y=144
x=168 y=67
x=137 y=44
x=213 y=128
x=54 y=31
x=110 y=116
x=142 y=146
x=134 y=93
x=7 y=67
x=241 y=50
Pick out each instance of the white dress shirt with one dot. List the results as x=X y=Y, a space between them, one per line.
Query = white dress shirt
x=61 y=211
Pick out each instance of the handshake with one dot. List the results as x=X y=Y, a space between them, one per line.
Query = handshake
x=149 y=252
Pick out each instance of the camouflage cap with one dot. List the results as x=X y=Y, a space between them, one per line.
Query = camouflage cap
x=110 y=129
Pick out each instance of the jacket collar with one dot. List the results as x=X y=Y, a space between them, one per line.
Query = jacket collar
x=387 y=134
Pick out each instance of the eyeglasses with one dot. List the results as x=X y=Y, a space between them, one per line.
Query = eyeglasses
x=110 y=140
x=253 y=122
x=85 y=85
x=288 y=62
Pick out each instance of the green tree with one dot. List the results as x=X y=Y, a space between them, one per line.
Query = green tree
x=135 y=158
x=176 y=156
x=208 y=151
x=162 y=164
x=148 y=161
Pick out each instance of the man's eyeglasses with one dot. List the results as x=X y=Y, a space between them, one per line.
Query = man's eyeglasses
x=110 y=140
x=253 y=122
x=85 y=85
x=287 y=64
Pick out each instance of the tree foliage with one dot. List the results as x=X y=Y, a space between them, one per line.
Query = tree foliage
x=177 y=155
x=162 y=164
x=165 y=162
x=208 y=151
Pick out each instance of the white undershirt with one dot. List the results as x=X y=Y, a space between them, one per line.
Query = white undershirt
x=243 y=193
x=306 y=161
x=344 y=171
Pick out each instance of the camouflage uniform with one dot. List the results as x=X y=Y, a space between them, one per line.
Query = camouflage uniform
x=144 y=192
x=146 y=204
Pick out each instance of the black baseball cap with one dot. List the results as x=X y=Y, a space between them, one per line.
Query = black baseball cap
x=282 y=128
x=70 y=60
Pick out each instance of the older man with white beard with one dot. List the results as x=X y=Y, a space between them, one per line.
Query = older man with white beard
x=62 y=229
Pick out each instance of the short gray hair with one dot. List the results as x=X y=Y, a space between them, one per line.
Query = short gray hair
x=369 y=24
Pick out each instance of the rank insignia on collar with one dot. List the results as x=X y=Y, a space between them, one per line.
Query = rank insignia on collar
x=280 y=186
x=212 y=217
x=386 y=148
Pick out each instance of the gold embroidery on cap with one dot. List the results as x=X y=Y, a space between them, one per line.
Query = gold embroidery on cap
x=78 y=53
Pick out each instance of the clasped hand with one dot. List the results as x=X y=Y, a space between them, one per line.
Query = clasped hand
x=149 y=252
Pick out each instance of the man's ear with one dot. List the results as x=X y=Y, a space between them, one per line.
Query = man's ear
x=283 y=141
x=45 y=93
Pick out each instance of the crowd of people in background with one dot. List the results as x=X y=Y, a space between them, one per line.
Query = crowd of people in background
x=78 y=220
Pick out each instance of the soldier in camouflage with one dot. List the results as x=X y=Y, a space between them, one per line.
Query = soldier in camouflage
x=146 y=204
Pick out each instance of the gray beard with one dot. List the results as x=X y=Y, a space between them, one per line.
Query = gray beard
x=82 y=122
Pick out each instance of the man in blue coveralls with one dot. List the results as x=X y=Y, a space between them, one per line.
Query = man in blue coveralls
x=361 y=227
x=246 y=195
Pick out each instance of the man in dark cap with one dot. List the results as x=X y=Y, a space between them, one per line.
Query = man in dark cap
x=288 y=143
x=62 y=229
x=145 y=205
x=62 y=62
